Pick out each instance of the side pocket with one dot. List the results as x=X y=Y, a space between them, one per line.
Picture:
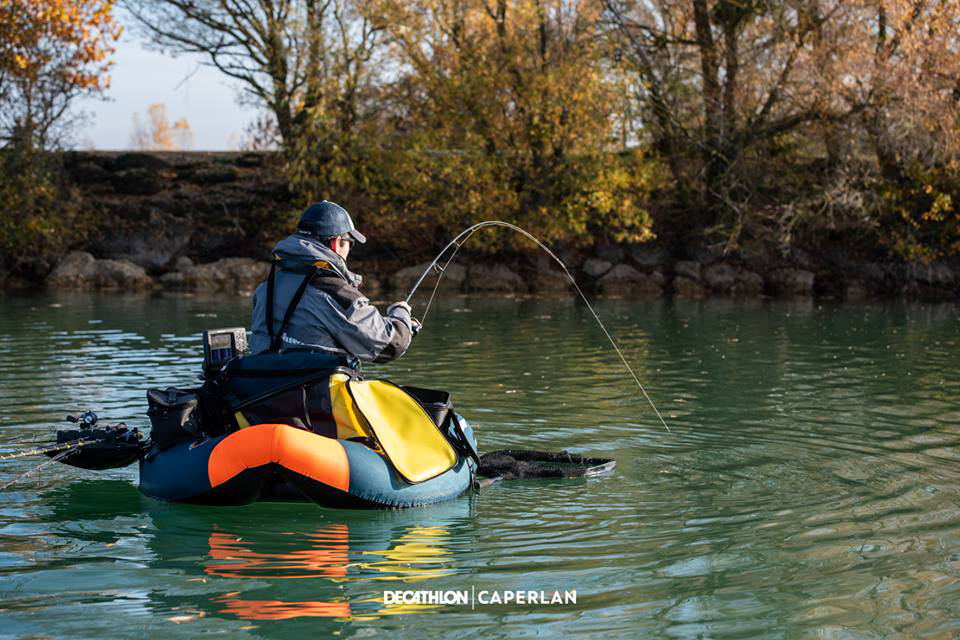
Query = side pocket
x=174 y=417
x=350 y=423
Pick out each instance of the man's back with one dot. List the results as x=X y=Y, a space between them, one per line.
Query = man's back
x=332 y=315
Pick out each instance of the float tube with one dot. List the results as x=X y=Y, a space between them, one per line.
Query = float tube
x=277 y=462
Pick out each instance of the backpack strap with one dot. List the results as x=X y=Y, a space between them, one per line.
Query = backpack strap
x=275 y=338
x=270 y=286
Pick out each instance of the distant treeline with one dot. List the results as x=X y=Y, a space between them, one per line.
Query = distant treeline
x=732 y=121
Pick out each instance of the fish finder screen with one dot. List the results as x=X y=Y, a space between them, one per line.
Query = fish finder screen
x=221 y=345
x=221 y=341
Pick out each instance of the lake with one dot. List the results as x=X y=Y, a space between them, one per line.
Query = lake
x=808 y=486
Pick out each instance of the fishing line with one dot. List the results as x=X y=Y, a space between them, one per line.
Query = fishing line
x=441 y=271
x=57 y=458
x=462 y=238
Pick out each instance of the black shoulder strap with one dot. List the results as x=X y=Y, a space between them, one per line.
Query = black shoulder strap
x=275 y=339
x=270 y=287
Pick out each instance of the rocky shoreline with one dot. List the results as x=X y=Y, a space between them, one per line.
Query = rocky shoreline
x=647 y=271
x=207 y=222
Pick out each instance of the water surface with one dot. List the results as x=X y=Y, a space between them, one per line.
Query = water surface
x=808 y=485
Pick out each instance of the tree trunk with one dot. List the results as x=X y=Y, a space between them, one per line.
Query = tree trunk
x=314 y=33
x=711 y=106
x=731 y=69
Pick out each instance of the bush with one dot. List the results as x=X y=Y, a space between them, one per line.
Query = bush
x=918 y=217
x=412 y=198
x=40 y=216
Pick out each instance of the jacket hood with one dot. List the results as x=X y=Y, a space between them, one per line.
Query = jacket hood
x=300 y=251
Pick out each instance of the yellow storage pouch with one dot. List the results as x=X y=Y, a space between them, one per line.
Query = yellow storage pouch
x=409 y=438
x=350 y=423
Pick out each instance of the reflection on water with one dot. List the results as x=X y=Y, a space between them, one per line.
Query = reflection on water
x=330 y=562
x=277 y=610
x=326 y=557
x=810 y=485
x=417 y=553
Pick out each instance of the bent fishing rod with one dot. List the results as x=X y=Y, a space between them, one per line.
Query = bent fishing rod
x=465 y=235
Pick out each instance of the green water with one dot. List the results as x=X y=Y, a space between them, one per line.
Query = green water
x=808 y=486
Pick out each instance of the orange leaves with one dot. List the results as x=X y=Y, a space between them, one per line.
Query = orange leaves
x=524 y=77
x=919 y=220
x=158 y=134
x=903 y=56
x=68 y=38
x=51 y=51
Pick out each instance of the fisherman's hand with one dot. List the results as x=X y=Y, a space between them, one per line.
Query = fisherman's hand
x=415 y=326
x=399 y=305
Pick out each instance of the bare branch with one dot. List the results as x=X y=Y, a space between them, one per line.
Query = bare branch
x=277 y=49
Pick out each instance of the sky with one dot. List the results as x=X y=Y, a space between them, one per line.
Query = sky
x=199 y=93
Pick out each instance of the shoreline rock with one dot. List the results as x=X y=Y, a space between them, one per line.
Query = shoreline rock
x=722 y=277
x=238 y=275
x=688 y=269
x=793 y=281
x=684 y=278
x=684 y=287
x=151 y=243
x=624 y=279
x=495 y=277
x=403 y=280
x=80 y=270
x=595 y=267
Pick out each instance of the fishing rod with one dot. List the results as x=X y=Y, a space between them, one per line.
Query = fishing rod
x=65 y=453
x=42 y=451
x=89 y=447
x=465 y=235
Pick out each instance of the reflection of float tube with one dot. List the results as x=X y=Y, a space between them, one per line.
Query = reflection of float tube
x=180 y=541
x=280 y=610
x=241 y=467
x=328 y=557
x=412 y=556
x=232 y=557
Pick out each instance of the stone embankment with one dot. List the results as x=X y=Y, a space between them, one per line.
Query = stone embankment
x=533 y=275
x=207 y=222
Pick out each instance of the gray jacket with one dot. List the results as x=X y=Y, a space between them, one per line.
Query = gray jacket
x=332 y=316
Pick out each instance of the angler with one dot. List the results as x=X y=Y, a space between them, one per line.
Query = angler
x=314 y=301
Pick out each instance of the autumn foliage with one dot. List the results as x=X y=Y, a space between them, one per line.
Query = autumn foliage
x=737 y=121
x=82 y=32
x=51 y=52
x=497 y=112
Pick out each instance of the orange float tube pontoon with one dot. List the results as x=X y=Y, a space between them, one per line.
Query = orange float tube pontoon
x=280 y=462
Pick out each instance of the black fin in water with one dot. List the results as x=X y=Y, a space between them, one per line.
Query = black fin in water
x=510 y=464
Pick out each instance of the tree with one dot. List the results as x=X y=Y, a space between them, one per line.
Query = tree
x=511 y=101
x=305 y=61
x=729 y=88
x=910 y=65
x=260 y=134
x=158 y=134
x=51 y=52
x=721 y=80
